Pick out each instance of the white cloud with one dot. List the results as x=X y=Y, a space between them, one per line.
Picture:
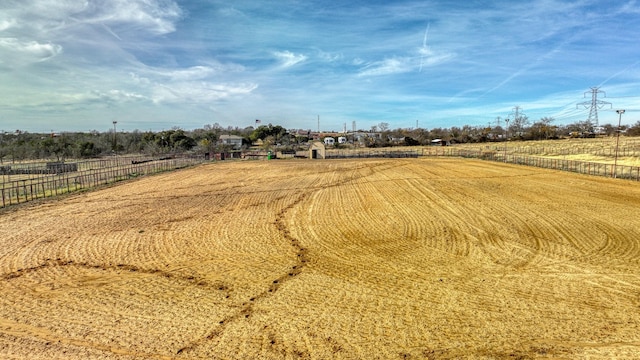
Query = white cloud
x=138 y=80
x=198 y=72
x=6 y=24
x=204 y=92
x=329 y=57
x=70 y=100
x=395 y=65
x=157 y=17
x=426 y=57
x=190 y=74
x=47 y=16
x=28 y=52
x=288 y=58
x=117 y=96
x=232 y=13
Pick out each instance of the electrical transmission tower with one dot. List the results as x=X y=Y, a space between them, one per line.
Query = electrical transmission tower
x=594 y=105
x=516 y=112
x=519 y=120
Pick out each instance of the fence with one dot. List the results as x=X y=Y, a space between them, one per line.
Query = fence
x=104 y=171
x=349 y=154
x=604 y=151
x=582 y=167
x=90 y=174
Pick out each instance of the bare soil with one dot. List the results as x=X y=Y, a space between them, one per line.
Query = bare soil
x=389 y=259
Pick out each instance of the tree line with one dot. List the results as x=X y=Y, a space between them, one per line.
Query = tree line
x=21 y=145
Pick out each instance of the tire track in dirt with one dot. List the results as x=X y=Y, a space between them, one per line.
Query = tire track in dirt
x=62 y=304
x=535 y=237
x=246 y=308
x=404 y=258
x=302 y=258
x=357 y=200
x=120 y=237
x=19 y=330
x=519 y=237
x=193 y=280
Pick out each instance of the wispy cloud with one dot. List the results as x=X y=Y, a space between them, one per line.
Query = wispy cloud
x=396 y=65
x=118 y=96
x=189 y=74
x=154 y=16
x=424 y=50
x=400 y=65
x=329 y=56
x=439 y=61
x=24 y=52
x=288 y=59
x=201 y=93
x=623 y=71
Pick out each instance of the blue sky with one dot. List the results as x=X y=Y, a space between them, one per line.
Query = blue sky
x=78 y=65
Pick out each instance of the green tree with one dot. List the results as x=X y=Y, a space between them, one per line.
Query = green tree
x=264 y=131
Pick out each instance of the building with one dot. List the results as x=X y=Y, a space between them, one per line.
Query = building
x=317 y=150
x=232 y=140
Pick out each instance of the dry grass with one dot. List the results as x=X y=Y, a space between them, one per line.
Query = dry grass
x=417 y=258
x=599 y=150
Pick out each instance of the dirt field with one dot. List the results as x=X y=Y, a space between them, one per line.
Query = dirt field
x=389 y=259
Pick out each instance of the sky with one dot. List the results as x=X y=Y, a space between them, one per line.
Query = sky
x=80 y=65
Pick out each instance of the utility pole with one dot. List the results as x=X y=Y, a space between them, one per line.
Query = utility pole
x=1 y=155
x=115 y=140
x=353 y=129
x=594 y=105
x=506 y=137
x=615 y=161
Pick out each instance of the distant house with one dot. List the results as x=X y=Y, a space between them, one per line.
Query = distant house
x=396 y=140
x=233 y=140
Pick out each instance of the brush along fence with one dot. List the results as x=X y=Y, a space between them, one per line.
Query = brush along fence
x=582 y=167
x=87 y=175
x=350 y=154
